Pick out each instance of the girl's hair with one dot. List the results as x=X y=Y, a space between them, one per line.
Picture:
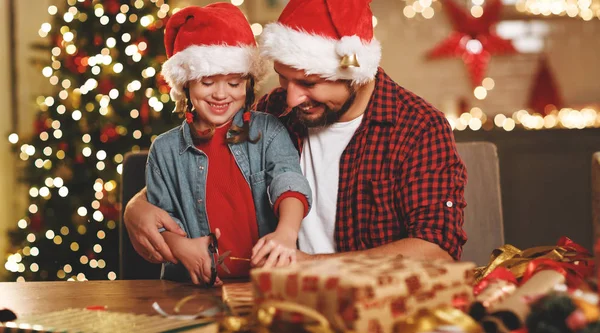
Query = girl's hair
x=239 y=134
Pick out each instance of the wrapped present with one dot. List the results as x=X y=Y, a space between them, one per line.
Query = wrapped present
x=366 y=293
x=514 y=278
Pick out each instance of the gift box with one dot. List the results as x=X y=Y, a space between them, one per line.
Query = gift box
x=366 y=293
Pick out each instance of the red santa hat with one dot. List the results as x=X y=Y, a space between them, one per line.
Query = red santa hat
x=210 y=40
x=320 y=36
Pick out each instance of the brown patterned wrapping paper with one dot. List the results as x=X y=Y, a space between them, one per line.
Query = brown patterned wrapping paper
x=510 y=313
x=366 y=293
x=495 y=292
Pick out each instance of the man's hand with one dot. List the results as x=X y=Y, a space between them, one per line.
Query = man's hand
x=303 y=256
x=143 y=220
x=194 y=255
x=279 y=246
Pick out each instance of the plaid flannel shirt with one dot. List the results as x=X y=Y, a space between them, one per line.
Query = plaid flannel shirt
x=400 y=176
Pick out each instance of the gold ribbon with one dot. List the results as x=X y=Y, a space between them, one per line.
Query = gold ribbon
x=426 y=320
x=429 y=320
x=263 y=318
x=516 y=260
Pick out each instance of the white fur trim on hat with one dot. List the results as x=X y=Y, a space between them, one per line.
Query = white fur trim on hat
x=196 y=62
x=321 y=55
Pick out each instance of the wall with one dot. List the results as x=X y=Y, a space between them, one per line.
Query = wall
x=572 y=47
x=30 y=83
x=6 y=162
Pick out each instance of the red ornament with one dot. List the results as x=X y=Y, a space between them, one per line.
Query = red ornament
x=145 y=112
x=128 y=97
x=70 y=64
x=473 y=39
x=40 y=124
x=108 y=133
x=161 y=83
x=35 y=223
x=109 y=211
x=545 y=95
x=105 y=86
x=98 y=40
x=112 y=6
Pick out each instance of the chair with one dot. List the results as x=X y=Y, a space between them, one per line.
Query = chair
x=131 y=265
x=596 y=196
x=483 y=215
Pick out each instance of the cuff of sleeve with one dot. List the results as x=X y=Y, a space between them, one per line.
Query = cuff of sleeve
x=447 y=244
x=291 y=194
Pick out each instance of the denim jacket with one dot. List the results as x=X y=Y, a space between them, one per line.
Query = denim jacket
x=176 y=177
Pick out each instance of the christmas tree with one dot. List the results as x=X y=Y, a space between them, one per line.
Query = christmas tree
x=104 y=60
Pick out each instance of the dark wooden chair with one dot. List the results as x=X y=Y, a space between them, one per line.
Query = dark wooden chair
x=132 y=266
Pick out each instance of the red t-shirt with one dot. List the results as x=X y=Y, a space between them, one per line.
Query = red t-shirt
x=229 y=204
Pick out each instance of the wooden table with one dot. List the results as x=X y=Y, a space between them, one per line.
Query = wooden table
x=133 y=296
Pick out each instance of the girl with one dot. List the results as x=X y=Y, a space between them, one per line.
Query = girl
x=225 y=170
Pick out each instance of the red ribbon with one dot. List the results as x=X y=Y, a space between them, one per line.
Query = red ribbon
x=582 y=252
x=573 y=273
x=246 y=117
x=189 y=117
x=500 y=273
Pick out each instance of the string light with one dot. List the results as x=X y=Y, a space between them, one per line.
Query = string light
x=566 y=118
x=414 y=7
x=585 y=9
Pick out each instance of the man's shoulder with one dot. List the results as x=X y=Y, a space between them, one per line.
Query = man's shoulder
x=413 y=109
x=273 y=102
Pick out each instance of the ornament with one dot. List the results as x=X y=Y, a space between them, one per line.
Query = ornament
x=473 y=39
x=112 y=6
x=98 y=41
x=108 y=133
x=105 y=86
x=545 y=95
x=36 y=223
x=144 y=112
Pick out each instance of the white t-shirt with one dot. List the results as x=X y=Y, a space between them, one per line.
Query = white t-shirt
x=320 y=162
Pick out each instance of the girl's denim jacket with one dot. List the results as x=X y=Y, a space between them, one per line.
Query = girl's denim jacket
x=176 y=177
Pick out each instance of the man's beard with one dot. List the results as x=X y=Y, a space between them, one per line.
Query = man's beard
x=327 y=117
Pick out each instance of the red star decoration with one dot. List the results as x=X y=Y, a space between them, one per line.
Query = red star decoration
x=473 y=39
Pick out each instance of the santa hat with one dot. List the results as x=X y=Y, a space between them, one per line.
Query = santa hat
x=331 y=38
x=205 y=41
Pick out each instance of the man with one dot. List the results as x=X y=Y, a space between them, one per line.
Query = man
x=382 y=163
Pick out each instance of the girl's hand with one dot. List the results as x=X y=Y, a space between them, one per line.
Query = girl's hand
x=276 y=249
x=194 y=255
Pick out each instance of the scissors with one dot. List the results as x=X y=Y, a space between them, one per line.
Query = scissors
x=218 y=259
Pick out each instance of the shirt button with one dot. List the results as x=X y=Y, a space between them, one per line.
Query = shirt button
x=449 y=204
x=199 y=200
x=201 y=167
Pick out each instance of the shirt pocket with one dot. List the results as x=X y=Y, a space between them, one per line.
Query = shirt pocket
x=383 y=222
x=258 y=178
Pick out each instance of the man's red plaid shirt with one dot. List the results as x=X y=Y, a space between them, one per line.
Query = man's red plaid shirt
x=400 y=175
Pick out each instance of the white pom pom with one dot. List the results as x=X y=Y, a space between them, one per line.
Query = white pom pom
x=348 y=45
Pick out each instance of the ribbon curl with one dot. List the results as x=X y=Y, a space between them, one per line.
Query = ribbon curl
x=579 y=261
